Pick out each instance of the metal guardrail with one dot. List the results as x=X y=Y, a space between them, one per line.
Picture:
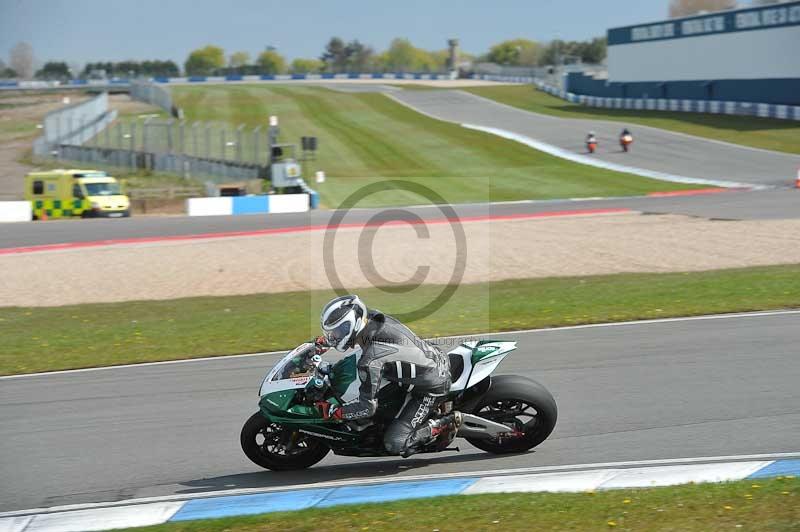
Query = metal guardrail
x=215 y=170
x=166 y=192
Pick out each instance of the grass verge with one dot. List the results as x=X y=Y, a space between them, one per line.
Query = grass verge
x=53 y=338
x=367 y=137
x=768 y=504
x=767 y=133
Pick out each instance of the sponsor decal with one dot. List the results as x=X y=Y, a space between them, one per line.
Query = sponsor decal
x=301 y=380
x=423 y=411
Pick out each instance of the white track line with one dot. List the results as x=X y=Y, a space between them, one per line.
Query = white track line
x=740 y=315
x=410 y=478
x=599 y=163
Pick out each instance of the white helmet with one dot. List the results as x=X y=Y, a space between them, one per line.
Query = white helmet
x=342 y=319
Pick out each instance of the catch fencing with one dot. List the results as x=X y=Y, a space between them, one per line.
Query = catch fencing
x=74 y=124
x=215 y=151
x=89 y=132
x=148 y=92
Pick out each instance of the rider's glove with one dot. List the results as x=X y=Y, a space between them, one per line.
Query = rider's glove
x=329 y=410
x=321 y=345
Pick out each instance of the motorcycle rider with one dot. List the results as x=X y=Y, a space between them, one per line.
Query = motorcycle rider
x=390 y=351
x=625 y=138
x=591 y=142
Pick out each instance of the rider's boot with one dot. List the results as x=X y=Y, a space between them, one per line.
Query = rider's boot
x=442 y=431
x=445 y=428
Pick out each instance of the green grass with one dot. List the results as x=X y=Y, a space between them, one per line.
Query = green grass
x=767 y=133
x=53 y=338
x=767 y=504
x=367 y=137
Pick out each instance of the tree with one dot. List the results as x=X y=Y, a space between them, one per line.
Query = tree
x=516 y=52
x=686 y=8
x=401 y=55
x=204 y=61
x=21 y=60
x=6 y=72
x=357 y=56
x=306 y=66
x=238 y=59
x=53 y=70
x=271 y=62
x=335 y=55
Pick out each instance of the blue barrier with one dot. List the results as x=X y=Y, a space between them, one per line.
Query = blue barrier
x=763 y=110
x=250 y=204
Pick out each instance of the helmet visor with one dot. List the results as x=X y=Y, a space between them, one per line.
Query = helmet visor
x=338 y=333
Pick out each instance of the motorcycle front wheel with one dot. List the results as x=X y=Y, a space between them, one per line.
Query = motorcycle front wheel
x=275 y=447
x=522 y=404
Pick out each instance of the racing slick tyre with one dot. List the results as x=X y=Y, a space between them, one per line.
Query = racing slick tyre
x=272 y=446
x=524 y=405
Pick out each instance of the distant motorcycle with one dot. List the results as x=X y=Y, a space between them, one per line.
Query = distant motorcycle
x=591 y=144
x=625 y=140
x=502 y=413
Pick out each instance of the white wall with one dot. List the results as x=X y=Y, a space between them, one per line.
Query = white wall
x=756 y=54
x=280 y=203
x=15 y=211
x=209 y=206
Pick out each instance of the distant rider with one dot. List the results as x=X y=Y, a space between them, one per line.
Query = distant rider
x=591 y=142
x=625 y=138
x=391 y=352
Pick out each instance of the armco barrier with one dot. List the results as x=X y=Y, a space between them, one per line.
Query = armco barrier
x=15 y=211
x=763 y=110
x=236 y=205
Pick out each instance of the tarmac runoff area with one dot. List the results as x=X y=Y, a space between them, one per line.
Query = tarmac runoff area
x=586 y=242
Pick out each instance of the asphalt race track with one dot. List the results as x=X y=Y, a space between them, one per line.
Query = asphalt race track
x=653 y=149
x=775 y=203
x=671 y=389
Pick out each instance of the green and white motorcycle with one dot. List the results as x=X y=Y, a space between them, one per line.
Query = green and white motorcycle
x=501 y=414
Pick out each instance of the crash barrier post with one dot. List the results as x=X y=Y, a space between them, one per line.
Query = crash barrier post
x=15 y=211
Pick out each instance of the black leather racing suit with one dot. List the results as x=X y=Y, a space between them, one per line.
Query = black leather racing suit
x=392 y=352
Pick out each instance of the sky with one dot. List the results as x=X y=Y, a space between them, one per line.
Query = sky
x=80 y=31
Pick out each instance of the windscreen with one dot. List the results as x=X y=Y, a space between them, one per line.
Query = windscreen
x=102 y=189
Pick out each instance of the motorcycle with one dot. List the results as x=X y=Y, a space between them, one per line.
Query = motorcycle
x=501 y=414
x=591 y=145
x=625 y=141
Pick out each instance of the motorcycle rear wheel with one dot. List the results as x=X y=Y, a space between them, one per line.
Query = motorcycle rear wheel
x=521 y=403
x=261 y=442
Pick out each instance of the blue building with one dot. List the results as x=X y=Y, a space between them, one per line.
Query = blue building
x=744 y=55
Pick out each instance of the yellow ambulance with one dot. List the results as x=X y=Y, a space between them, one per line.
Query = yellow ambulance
x=86 y=193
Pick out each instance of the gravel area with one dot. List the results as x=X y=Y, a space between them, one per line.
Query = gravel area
x=496 y=250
